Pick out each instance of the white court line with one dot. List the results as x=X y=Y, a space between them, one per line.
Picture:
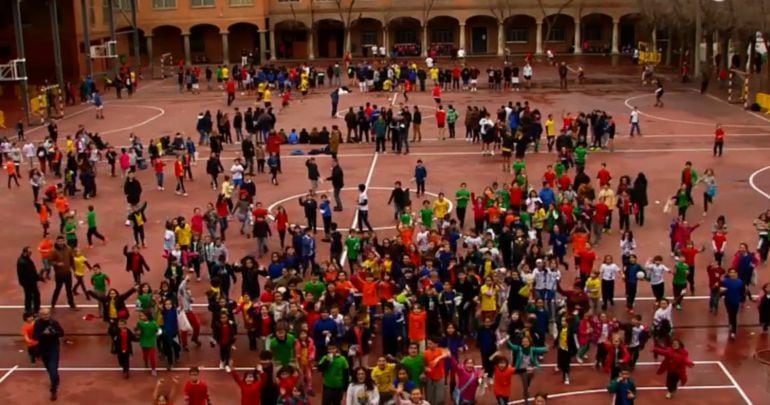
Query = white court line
x=354 y=224
x=622 y=299
x=604 y=391
x=97 y=369
x=630 y=106
x=733 y=105
x=754 y=186
x=8 y=373
x=395 y=97
x=161 y=112
x=735 y=383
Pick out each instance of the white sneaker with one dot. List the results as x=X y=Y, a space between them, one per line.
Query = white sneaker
x=221 y=365
x=566 y=381
x=579 y=360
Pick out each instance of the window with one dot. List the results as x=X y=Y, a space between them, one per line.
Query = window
x=163 y=4
x=117 y=7
x=91 y=12
x=406 y=37
x=557 y=35
x=517 y=35
x=202 y=3
x=369 y=38
x=241 y=2
x=442 y=36
x=593 y=32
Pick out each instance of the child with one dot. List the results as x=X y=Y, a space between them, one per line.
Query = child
x=662 y=327
x=594 y=290
x=617 y=356
x=764 y=308
x=715 y=273
x=92 y=231
x=272 y=163
x=681 y=270
x=27 y=333
x=147 y=330
x=526 y=358
x=122 y=345
x=224 y=331
x=623 y=388
x=501 y=382
x=636 y=334
x=565 y=343
x=676 y=360
x=304 y=348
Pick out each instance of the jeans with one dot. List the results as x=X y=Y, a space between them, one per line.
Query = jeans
x=159 y=179
x=51 y=364
x=434 y=391
x=635 y=127
x=363 y=219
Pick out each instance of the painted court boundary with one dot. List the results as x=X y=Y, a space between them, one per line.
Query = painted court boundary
x=734 y=384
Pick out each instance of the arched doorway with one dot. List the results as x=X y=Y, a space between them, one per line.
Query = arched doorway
x=205 y=44
x=291 y=39
x=405 y=36
x=596 y=33
x=365 y=34
x=167 y=39
x=558 y=33
x=243 y=39
x=331 y=38
x=631 y=31
x=480 y=35
x=444 y=35
x=520 y=33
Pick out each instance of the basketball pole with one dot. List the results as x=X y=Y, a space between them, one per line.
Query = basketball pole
x=19 y=33
x=86 y=38
x=111 y=20
x=54 y=11
x=137 y=56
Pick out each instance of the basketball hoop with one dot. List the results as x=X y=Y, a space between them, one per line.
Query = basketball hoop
x=106 y=51
x=13 y=71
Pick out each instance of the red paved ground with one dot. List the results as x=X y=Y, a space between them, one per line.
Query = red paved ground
x=660 y=154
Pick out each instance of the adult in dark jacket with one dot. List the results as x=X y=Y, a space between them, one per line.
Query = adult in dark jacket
x=62 y=260
x=639 y=197
x=338 y=182
x=48 y=333
x=213 y=168
x=247 y=149
x=132 y=189
x=26 y=271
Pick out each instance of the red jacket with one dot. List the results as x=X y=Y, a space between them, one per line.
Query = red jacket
x=625 y=356
x=675 y=361
x=250 y=393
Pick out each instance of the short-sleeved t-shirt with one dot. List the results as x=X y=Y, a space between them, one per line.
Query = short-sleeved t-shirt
x=580 y=155
x=488 y=302
x=680 y=273
x=415 y=366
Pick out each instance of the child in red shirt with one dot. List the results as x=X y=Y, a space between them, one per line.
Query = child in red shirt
x=27 y=333
x=716 y=273
x=196 y=391
x=159 y=166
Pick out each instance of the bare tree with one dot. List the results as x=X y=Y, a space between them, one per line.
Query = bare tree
x=550 y=20
x=501 y=9
x=427 y=7
x=345 y=10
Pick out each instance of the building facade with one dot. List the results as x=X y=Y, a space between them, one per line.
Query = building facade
x=221 y=31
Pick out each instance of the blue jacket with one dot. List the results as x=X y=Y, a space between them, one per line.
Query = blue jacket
x=547 y=196
x=308 y=246
x=392 y=325
x=326 y=209
x=420 y=173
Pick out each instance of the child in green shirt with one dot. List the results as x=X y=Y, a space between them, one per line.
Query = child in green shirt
x=334 y=369
x=147 y=332
x=353 y=244
x=580 y=157
x=92 y=231
x=681 y=268
x=426 y=214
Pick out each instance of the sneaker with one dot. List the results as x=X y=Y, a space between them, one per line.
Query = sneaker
x=580 y=360
x=154 y=373
x=566 y=381
x=222 y=365
x=668 y=395
x=678 y=307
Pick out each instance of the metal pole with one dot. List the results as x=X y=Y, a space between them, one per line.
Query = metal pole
x=137 y=56
x=111 y=15
x=54 y=10
x=86 y=39
x=698 y=38
x=19 y=33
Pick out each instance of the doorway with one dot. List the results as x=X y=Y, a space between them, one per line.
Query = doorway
x=479 y=40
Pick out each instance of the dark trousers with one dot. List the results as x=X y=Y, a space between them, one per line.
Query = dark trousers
x=51 y=364
x=718 y=146
x=460 y=211
x=658 y=290
x=90 y=235
x=124 y=361
x=732 y=316
x=332 y=395
x=379 y=144
x=608 y=293
x=630 y=295
x=224 y=353
x=672 y=382
x=66 y=282
x=363 y=219
x=31 y=298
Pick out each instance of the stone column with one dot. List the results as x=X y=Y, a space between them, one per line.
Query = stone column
x=462 y=36
x=272 y=44
x=500 y=39
x=150 y=61
x=186 y=39
x=262 y=46
x=539 y=38
x=348 y=46
x=577 y=43
x=615 y=37
x=386 y=40
x=311 y=43
x=225 y=49
x=424 y=50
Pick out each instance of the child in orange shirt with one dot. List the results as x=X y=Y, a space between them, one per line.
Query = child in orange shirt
x=27 y=331
x=10 y=168
x=501 y=381
x=45 y=248
x=416 y=325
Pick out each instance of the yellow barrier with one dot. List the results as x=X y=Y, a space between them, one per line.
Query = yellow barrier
x=649 y=58
x=763 y=99
x=2 y=119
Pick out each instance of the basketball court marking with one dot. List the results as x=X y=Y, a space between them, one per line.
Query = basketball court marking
x=734 y=384
x=628 y=104
x=754 y=186
x=353 y=225
x=161 y=112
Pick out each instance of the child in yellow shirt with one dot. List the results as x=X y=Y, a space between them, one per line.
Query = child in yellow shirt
x=80 y=266
x=594 y=290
